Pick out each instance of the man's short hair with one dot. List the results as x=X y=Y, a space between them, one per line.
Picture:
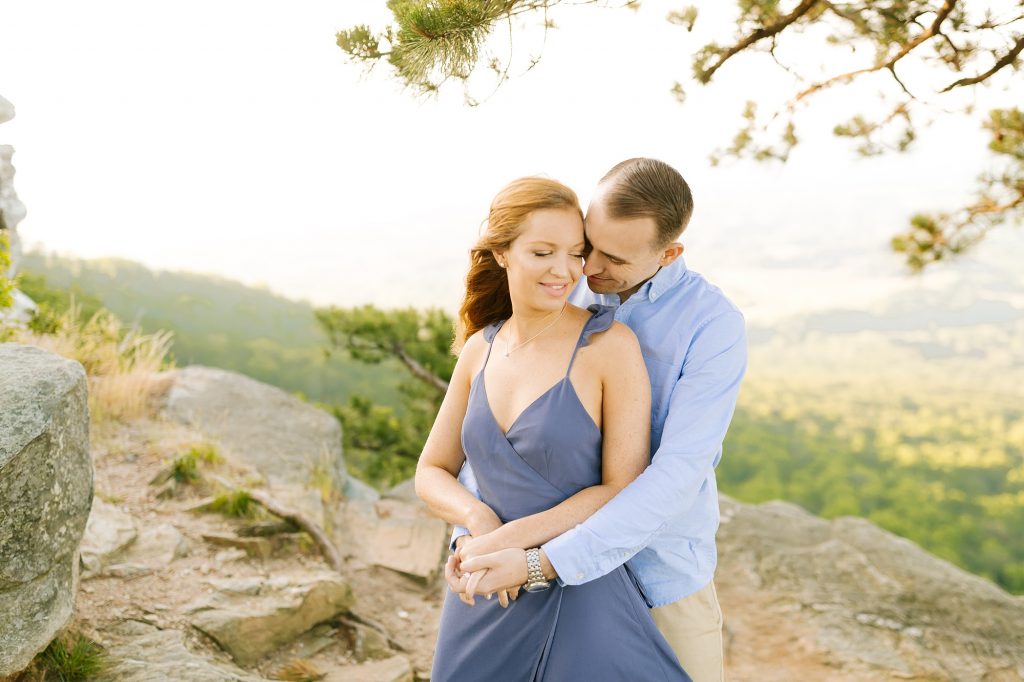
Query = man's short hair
x=642 y=187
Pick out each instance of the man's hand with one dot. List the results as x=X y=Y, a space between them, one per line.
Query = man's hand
x=501 y=570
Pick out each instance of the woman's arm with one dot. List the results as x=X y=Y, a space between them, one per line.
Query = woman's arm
x=438 y=467
x=626 y=418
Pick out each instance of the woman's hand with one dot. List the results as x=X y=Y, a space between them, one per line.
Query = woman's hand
x=501 y=570
x=458 y=581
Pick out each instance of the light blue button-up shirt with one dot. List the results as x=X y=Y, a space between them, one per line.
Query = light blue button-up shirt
x=664 y=523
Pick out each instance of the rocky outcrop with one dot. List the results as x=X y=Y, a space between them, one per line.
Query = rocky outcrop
x=45 y=496
x=12 y=211
x=251 y=617
x=293 y=445
x=144 y=653
x=860 y=602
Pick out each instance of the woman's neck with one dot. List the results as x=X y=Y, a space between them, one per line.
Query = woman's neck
x=527 y=322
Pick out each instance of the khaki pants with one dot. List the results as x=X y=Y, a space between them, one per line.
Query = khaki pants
x=693 y=628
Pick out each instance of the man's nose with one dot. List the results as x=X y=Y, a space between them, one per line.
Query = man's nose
x=592 y=265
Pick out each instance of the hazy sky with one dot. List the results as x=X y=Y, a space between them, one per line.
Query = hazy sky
x=233 y=138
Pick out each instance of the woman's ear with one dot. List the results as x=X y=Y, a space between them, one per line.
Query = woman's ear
x=500 y=257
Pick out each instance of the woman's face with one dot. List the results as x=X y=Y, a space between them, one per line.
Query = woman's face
x=546 y=260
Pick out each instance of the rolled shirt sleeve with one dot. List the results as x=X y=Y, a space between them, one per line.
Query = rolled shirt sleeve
x=700 y=408
x=468 y=479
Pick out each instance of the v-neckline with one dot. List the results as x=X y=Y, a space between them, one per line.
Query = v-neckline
x=494 y=418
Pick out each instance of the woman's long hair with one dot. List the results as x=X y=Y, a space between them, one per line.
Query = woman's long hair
x=487 y=298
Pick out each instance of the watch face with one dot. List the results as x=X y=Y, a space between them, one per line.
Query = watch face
x=537 y=587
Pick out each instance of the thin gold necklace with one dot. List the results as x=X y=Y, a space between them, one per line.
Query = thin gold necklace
x=523 y=343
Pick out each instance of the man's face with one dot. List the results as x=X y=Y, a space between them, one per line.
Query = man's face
x=622 y=252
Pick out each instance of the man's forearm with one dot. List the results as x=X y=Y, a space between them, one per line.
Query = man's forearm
x=536 y=529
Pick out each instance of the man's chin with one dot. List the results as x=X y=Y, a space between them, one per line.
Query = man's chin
x=602 y=286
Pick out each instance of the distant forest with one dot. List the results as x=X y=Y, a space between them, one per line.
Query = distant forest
x=914 y=420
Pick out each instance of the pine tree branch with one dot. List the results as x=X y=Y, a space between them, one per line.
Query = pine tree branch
x=889 y=65
x=1005 y=61
x=800 y=10
x=418 y=370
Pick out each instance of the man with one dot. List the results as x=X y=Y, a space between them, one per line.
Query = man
x=694 y=344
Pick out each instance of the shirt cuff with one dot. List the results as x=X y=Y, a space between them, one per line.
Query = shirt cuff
x=456 y=534
x=560 y=554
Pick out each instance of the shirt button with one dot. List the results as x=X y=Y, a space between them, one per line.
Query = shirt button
x=579 y=576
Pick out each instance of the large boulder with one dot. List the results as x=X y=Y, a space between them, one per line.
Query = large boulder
x=251 y=617
x=293 y=445
x=861 y=602
x=45 y=497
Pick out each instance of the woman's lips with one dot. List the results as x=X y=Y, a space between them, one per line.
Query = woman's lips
x=556 y=289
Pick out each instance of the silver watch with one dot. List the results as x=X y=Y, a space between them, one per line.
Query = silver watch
x=535 y=581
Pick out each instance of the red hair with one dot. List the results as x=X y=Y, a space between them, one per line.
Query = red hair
x=487 y=298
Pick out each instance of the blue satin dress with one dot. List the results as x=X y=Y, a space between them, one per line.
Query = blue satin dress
x=599 y=631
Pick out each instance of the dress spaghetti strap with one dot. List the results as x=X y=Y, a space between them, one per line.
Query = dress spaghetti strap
x=601 y=319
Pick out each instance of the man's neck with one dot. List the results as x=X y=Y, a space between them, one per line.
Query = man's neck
x=623 y=295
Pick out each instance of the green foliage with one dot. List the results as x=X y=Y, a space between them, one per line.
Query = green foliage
x=430 y=42
x=6 y=285
x=964 y=43
x=935 y=236
x=53 y=302
x=236 y=504
x=945 y=473
x=185 y=468
x=72 y=658
x=382 y=445
x=372 y=335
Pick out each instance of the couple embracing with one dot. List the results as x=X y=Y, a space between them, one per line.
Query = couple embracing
x=575 y=448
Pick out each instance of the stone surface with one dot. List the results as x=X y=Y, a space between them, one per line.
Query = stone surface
x=394 y=669
x=154 y=548
x=108 y=531
x=358 y=490
x=260 y=548
x=143 y=653
x=405 y=491
x=251 y=617
x=293 y=445
x=864 y=602
x=6 y=110
x=393 y=534
x=45 y=496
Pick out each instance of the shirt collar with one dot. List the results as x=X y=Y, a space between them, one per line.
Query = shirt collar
x=663 y=280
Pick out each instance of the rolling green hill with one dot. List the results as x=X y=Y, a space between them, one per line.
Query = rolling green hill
x=222 y=323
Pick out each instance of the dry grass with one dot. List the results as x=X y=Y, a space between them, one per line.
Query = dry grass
x=123 y=364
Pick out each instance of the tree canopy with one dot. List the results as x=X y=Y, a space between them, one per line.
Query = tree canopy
x=964 y=43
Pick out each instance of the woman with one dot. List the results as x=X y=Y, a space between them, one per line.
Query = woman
x=551 y=405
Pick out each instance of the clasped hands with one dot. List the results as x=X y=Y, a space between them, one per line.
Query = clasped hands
x=485 y=565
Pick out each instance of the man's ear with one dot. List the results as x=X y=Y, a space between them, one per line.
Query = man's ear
x=669 y=255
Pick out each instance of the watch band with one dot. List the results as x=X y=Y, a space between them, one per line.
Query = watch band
x=534 y=574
